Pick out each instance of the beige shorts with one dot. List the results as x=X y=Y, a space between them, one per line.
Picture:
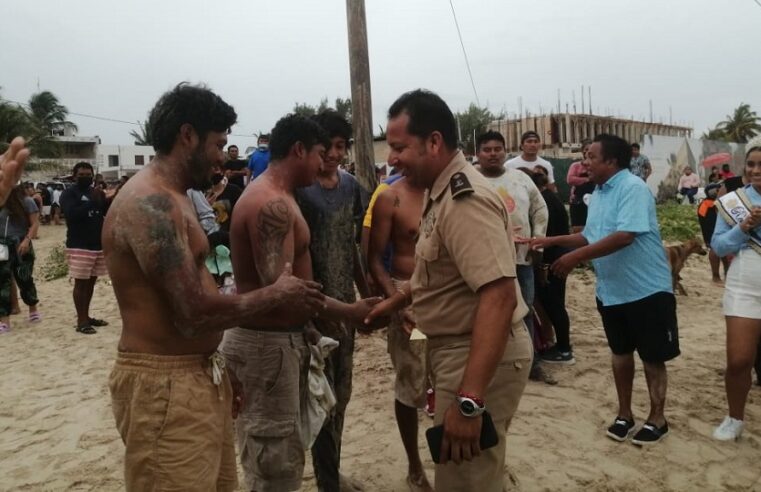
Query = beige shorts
x=273 y=368
x=175 y=422
x=409 y=360
x=448 y=356
x=85 y=264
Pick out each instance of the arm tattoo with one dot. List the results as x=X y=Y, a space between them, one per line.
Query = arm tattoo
x=273 y=226
x=162 y=240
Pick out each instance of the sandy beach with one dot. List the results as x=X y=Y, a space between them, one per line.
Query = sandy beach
x=58 y=433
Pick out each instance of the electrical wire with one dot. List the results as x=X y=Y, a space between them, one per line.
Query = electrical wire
x=112 y=120
x=467 y=62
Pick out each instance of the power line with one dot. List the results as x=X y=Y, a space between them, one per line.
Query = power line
x=105 y=118
x=467 y=62
x=757 y=3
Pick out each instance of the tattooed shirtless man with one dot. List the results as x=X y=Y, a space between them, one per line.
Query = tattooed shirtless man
x=171 y=395
x=268 y=232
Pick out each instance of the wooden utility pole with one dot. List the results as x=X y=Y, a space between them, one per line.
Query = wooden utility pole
x=361 y=102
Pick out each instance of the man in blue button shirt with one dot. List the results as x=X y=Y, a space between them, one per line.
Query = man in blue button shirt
x=260 y=159
x=634 y=293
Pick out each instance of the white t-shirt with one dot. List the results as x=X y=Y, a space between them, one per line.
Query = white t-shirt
x=517 y=162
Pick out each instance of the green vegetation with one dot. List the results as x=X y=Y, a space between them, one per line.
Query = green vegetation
x=37 y=121
x=740 y=126
x=55 y=265
x=678 y=222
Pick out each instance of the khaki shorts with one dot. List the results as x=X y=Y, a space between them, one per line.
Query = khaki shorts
x=273 y=369
x=409 y=360
x=448 y=356
x=175 y=422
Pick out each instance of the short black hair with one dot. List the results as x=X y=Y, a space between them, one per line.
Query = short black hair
x=635 y=145
x=428 y=113
x=334 y=125
x=294 y=128
x=617 y=148
x=195 y=105
x=490 y=135
x=81 y=165
x=233 y=146
x=585 y=142
x=530 y=134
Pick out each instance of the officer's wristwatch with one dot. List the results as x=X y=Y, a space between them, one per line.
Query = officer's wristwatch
x=470 y=406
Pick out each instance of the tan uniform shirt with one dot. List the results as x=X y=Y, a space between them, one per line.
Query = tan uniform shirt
x=465 y=242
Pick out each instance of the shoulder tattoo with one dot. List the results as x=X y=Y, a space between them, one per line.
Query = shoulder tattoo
x=162 y=238
x=272 y=226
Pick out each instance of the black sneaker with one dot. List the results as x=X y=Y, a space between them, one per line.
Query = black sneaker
x=650 y=434
x=620 y=429
x=555 y=356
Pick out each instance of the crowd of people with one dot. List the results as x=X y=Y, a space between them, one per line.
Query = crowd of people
x=466 y=266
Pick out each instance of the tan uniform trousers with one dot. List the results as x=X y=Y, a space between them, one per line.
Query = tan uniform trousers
x=448 y=356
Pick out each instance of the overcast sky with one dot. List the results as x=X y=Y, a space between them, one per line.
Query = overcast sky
x=114 y=59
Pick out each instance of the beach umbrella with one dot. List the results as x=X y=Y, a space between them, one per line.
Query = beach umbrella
x=717 y=159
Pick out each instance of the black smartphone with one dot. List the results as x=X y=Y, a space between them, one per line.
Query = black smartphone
x=488 y=439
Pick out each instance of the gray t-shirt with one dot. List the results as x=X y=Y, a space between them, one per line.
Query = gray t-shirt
x=334 y=217
x=17 y=226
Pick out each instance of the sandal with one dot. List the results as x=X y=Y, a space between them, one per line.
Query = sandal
x=4 y=328
x=86 y=330
x=35 y=317
x=98 y=322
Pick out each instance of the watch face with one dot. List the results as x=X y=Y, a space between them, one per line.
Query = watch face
x=468 y=408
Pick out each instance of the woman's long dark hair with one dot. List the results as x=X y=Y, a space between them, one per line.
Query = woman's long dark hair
x=15 y=205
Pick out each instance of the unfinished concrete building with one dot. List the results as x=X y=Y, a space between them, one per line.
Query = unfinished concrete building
x=562 y=133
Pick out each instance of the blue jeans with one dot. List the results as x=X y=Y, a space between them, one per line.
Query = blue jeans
x=526 y=281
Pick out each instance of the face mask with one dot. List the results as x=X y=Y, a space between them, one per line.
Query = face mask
x=216 y=178
x=84 y=182
x=264 y=146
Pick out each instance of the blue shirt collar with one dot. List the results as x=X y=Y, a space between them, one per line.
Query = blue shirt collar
x=613 y=180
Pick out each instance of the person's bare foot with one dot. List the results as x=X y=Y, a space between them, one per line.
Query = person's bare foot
x=419 y=483
x=16 y=310
x=717 y=281
x=348 y=484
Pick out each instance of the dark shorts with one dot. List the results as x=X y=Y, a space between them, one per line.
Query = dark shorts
x=578 y=214
x=648 y=326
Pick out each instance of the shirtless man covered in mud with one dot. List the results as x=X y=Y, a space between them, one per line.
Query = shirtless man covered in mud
x=396 y=217
x=171 y=395
x=268 y=232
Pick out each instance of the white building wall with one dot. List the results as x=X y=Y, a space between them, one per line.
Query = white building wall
x=129 y=158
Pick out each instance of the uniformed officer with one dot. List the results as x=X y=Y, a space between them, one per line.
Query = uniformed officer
x=463 y=291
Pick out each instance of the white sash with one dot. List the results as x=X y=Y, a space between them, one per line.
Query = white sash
x=734 y=208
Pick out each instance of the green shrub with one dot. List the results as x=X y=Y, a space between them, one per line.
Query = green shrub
x=55 y=265
x=677 y=222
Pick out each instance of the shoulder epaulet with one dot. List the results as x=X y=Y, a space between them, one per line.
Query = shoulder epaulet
x=460 y=185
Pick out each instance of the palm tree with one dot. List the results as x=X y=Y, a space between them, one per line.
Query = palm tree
x=48 y=112
x=145 y=136
x=742 y=125
x=715 y=134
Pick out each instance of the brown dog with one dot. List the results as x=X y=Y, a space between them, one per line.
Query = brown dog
x=677 y=255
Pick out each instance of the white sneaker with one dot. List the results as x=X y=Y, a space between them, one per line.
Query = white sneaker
x=729 y=430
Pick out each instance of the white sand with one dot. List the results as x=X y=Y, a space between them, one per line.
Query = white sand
x=58 y=434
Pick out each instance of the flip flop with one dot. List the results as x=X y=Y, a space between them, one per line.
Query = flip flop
x=35 y=317
x=86 y=330
x=98 y=322
x=4 y=328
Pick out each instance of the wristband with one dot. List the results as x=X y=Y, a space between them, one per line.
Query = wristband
x=480 y=401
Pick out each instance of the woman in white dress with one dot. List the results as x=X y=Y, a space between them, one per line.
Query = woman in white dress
x=738 y=232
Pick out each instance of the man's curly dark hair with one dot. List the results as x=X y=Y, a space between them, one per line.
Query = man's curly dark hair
x=195 y=105
x=294 y=128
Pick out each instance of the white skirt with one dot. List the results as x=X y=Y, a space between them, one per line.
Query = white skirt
x=742 y=294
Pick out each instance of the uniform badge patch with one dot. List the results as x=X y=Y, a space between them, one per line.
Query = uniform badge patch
x=460 y=185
